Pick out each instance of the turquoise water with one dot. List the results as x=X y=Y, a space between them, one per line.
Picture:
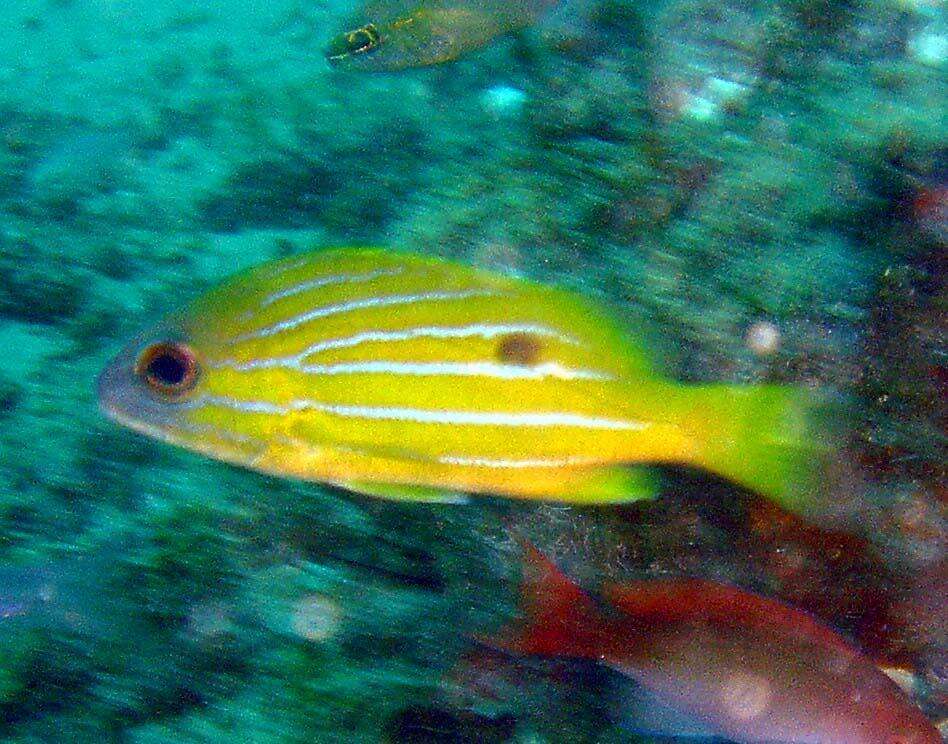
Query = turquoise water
x=756 y=188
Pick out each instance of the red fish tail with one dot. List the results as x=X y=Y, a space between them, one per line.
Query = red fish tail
x=559 y=618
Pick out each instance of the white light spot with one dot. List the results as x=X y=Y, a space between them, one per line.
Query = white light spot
x=762 y=338
x=745 y=696
x=316 y=618
x=929 y=48
x=503 y=100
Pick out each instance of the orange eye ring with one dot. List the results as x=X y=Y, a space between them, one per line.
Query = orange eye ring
x=169 y=368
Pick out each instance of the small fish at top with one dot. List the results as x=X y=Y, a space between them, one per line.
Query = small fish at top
x=720 y=660
x=401 y=34
x=409 y=377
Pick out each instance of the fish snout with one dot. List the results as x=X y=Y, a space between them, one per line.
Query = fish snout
x=141 y=386
x=108 y=386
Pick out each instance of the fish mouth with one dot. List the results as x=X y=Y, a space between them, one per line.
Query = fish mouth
x=131 y=406
x=120 y=417
x=108 y=384
x=130 y=403
x=115 y=388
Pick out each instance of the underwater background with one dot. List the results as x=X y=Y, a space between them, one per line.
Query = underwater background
x=759 y=188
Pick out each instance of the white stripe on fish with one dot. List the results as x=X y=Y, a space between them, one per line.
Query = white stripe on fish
x=537 y=419
x=443 y=369
x=324 y=311
x=485 y=331
x=326 y=281
x=456 y=369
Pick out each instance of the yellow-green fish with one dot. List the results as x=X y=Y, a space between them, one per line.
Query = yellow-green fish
x=400 y=34
x=410 y=377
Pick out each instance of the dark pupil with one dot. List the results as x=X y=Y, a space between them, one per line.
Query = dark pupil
x=359 y=41
x=362 y=39
x=168 y=369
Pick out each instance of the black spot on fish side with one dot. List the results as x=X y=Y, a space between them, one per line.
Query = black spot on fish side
x=519 y=348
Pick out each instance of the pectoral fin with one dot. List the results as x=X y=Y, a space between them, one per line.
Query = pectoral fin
x=404 y=492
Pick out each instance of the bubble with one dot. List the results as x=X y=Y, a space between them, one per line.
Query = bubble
x=209 y=620
x=503 y=100
x=499 y=255
x=316 y=618
x=904 y=678
x=745 y=695
x=929 y=47
x=762 y=338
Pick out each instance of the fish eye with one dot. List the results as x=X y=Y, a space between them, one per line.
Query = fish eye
x=362 y=39
x=169 y=368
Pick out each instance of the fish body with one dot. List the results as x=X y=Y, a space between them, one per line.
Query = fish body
x=750 y=668
x=402 y=36
x=411 y=377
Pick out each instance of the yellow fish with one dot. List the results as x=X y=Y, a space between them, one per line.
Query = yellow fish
x=406 y=35
x=410 y=377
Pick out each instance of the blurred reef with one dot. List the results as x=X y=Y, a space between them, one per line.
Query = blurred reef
x=759 y=185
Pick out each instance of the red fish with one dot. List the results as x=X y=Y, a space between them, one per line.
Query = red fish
x=750 y=668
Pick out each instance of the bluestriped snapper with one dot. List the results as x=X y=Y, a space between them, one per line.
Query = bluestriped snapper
x=408 y=377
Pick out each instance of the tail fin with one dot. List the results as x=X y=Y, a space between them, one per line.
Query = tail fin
x=771 y=439
x=560 y=619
